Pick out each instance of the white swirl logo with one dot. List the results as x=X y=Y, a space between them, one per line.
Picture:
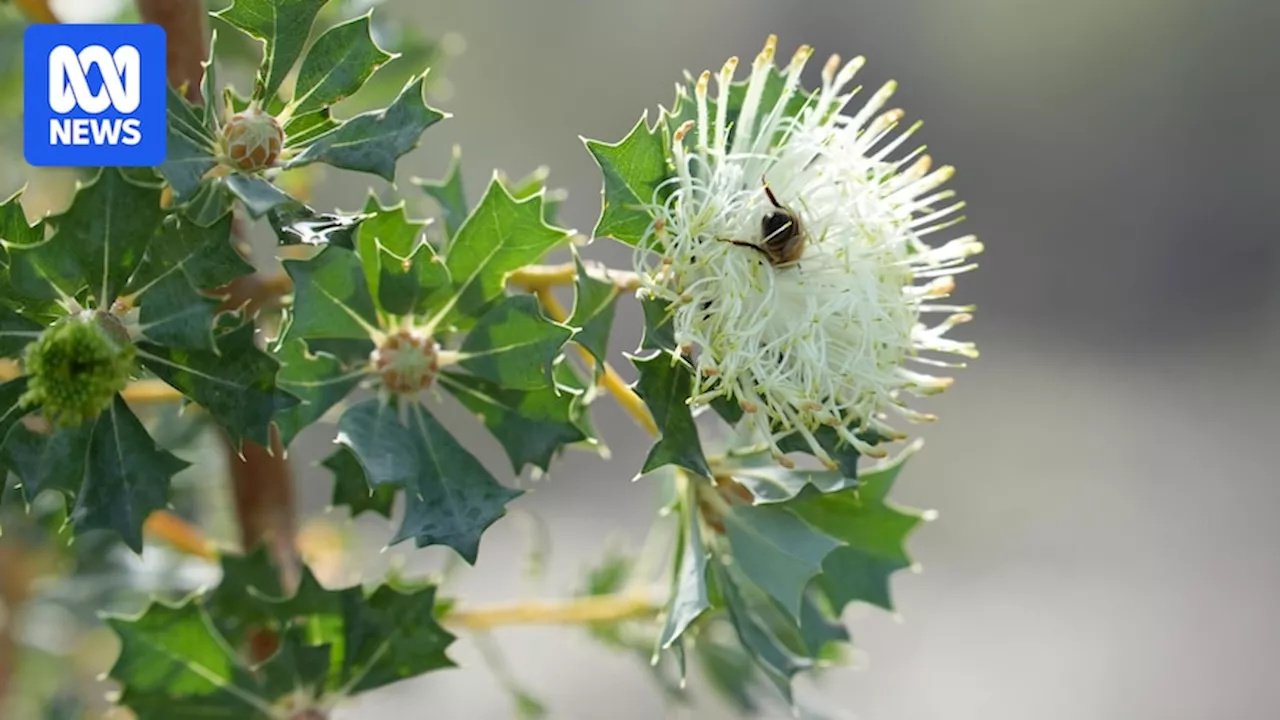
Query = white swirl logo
x=69 y=83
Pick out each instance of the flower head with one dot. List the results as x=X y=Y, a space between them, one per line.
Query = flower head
x=252 y=139
x=791 y=247
x=76 y=367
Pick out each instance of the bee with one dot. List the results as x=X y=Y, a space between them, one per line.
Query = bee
x=783 y=237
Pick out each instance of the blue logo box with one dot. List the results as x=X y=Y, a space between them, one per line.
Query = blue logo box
x=94 y=95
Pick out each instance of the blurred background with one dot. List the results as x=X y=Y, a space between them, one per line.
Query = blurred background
x=1105 y=475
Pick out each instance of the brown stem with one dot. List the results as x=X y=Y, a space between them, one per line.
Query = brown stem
x=261 y=479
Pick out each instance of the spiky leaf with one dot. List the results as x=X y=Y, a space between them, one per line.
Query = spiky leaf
x=451 y=498
x=665 y=384
x=283 y=26
x=351 y=488
x=318 y=380
x=515 y=345
x=337 y=65
x=633 y=169
x=331 y=298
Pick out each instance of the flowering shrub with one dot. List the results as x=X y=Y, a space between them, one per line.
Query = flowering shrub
x=786 y=263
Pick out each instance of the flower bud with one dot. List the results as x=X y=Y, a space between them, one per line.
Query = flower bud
x=406 y=362
x=252 y=139
x=77 y=366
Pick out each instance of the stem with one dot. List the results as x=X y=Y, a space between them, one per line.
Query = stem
x=612 y=381
x=535 y=277
x=594 y=609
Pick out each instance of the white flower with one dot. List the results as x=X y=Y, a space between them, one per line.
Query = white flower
x=828 y=340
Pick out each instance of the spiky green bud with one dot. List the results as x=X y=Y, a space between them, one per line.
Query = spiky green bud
x=76 y=368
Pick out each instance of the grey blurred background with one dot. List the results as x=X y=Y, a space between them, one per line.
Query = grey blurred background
x=1104 y=474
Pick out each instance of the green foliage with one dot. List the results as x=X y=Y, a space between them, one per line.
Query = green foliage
x=181 y=660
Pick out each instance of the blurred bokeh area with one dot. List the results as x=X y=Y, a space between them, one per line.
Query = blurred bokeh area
x=1105 y=475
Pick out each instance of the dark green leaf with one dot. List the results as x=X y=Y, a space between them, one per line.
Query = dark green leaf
x=372 y=142
x=351 y=489
x=777 y=551
x=337 y=65
x=126 y=477
x=594 y=304
x=174 y=313
x=205 y=255
x=451 y=498
x=818 y=629
x=107 y=229
x=779 y=664
x=331 y=299
x=259 y=196
x=318 y=380
x=172 y=664
x=449 y=195
x=192 y=150
x=665 y=384
x=659 y=327
x=284 y=26
x=16 y=332
x=48 y=462
x=689 y=593
x=500 y=235
x=874 y=530
x=236 y=384
x=209 y=84
x=633 y=169
x=302 y=130
x=413 y=286
x=14 y=228
x=532 y=426
x=515 y=345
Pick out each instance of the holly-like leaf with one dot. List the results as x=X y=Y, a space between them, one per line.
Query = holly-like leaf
x=192 y=149
x=414 y=285
x=54 y=461
x=203 y=255
x=283 y=26
x=258 y=196
x=449 y=195
x=532 y=426
x=351 y=488
x=174 y=313
x=779 y=664
x=515 y=345
x=777 y=551
x=633 y=169
x=318 y=380
x=451 y=499
x=594 y=304
x=177 y=662
x=773 y=484
x=689 y=598
x=372 y=142
x=126 y=477
x=14 y=228
x=665 y=384
x=302 y=130
x=500 y=235
x=236 y=383
x=659 y=325
x=337 y=65
x=16 y=332
x=107 y=230
x=331 y=298
x=873 y=530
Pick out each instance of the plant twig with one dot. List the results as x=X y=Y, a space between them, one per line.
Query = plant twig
x=535 y=277
x=612 y=381
x=593 y=609
x=179 y=533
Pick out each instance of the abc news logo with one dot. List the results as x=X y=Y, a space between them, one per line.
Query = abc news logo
x=94 y=95
x=69 y=89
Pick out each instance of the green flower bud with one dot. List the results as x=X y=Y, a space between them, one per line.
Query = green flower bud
x=76 y=367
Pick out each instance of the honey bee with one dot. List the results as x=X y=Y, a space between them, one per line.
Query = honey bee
x=783 y=237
